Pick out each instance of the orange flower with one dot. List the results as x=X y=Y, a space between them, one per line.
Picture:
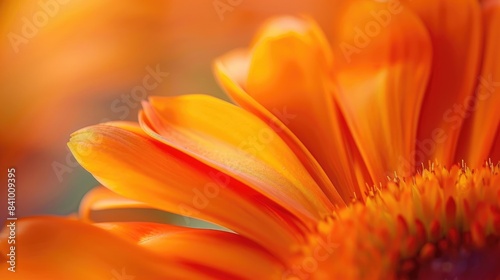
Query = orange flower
x=317 y=175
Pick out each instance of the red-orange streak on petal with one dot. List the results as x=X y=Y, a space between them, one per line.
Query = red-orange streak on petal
x=480 y=130
x=455 y=29
x=383 y=82
x=239 y=144
x=495 y=150
x=138 y=167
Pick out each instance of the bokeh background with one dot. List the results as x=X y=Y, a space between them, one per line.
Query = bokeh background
x=67 y=64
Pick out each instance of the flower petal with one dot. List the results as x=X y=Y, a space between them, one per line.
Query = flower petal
x=236 y=143
x=382 y=72
x=102 y=199
x=231 y=70
x=228 y=253
x=101 y=205
x=477 y=137
x=495 y=149
x=455 y=30
x=59 y=248
x=138 y=167
x=289 y=71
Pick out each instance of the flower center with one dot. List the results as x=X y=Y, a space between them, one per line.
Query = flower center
x=461 y=263
x=455 y=256
x=440 y=224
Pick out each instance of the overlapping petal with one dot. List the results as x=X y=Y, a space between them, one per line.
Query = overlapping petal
x=310 y=139
x=213 y=252
x=383 y=71
x=288 y=67
x=149 y=171
x=236 y=143
x=455 y=30
x=479 y=136
x=232 y=70
x=67 y=249
x=101 y=199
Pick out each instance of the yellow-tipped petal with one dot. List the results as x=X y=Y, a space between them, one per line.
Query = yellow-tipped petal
x=455 y=30
x=167 y=179
x=382 y=72
x=236 y=143
x=477 y=139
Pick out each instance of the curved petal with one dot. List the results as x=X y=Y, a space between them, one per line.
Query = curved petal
x=225 y=252
x=477 y=139
x=455 y=30
x=288 y=71
x=101 y=199
x=102 y=205
x=382 y=72
x=237 y=143
x=59 y=248
x=138 y=167
x=231 y=70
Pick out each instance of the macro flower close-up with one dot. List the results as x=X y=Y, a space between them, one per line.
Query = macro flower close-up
x=364 y=148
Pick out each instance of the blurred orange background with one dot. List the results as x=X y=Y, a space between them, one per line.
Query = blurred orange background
x=67 y=64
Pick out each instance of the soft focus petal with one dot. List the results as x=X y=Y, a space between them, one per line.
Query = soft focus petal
x=455 y=30
x=239 y=144
x=382 y=82
x=50 y=248
x=229 y=254
x=138 y=167
x=58 y=248
x=478 y=134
